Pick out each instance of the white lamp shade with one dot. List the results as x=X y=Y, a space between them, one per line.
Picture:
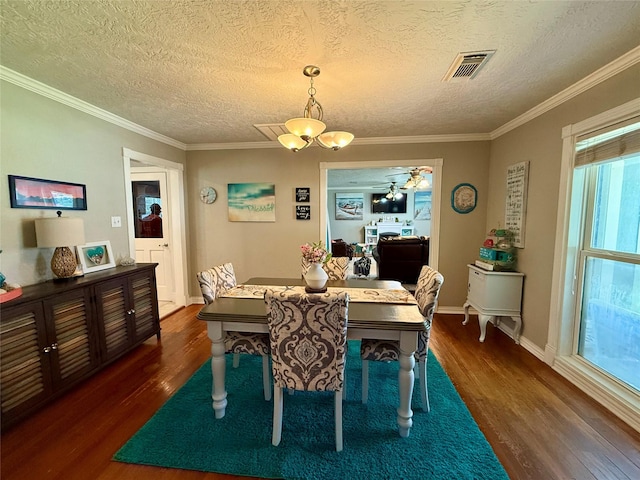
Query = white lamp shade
x=305 y=127
x=59 y=232
x=292 y=142
x=335 y=140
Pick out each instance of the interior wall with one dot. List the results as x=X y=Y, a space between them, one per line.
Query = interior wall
x=45 y=139
x=273 y=249
x=540 y=143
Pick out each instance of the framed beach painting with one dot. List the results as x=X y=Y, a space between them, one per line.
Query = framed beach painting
x=251 y=202
x=96 y=256
x=422 y=205
x=27 y=192
x=349 y=206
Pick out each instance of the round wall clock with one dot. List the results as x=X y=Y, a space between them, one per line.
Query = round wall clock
x=464 y=197
x=208 y=195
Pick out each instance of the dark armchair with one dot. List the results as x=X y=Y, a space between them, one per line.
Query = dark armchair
x=340 y=248
x=401 y=258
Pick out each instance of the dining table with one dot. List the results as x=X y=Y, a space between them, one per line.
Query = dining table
x=378 y=309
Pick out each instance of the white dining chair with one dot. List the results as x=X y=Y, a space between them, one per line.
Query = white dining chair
x=308 y=336
x=426 y=294
x=213 y=283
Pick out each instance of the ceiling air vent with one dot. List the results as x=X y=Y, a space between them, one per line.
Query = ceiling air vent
x=467 y=65
x=271 y=130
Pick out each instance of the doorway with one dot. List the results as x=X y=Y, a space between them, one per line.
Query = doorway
x=435 y=164
x=155 y=214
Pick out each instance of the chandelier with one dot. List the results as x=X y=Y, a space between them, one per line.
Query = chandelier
x=306 y=130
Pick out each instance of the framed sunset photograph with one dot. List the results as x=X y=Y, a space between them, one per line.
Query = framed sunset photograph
x=26 y=192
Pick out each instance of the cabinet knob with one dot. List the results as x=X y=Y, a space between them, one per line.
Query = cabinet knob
x=54 y=346
x=46 y=349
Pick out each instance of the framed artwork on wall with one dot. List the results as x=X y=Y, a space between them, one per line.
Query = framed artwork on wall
x=303 y=212
x=96 y=256
x=349 y=206
x=303 y=194
x=27 y=192
x=422 y=205
x=251 y=202
x=464 y=197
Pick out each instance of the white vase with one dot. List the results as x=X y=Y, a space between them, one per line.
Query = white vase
x=316 y=277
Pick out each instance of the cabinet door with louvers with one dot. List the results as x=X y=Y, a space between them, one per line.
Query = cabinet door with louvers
x=25 y=369
x=115 y=317
x=74 y=348
x=145 y=305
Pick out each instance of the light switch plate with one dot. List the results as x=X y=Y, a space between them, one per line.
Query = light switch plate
x=116 y=222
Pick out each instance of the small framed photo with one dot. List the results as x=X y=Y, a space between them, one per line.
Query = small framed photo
x=26 y=192
x=303 y=212
x=303 y=194
x=96 y=256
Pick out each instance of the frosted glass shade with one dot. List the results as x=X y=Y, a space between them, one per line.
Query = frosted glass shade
x=305 y=127
x=59 y=232
x=335 y=140
x=292 y=142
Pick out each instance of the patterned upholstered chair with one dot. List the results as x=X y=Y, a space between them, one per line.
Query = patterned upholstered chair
x=336 y=267
x=214 y=282
x=308 y=347
x=427 y=290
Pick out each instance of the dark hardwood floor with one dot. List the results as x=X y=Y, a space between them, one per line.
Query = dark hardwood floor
x=540 y=426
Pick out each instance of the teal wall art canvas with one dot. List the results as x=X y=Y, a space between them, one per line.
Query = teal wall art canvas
x=252 y=202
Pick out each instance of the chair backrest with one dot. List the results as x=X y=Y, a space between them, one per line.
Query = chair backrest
x=426 y=294
x=337 y=267
x=215 y=281
x=304 y=266
x=308 y=335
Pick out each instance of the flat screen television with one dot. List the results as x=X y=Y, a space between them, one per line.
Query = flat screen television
x=381 y=204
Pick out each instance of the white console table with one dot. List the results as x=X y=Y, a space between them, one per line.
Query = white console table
x=494 y=295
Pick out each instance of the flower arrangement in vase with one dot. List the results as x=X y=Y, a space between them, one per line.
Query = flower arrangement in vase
x=315 y=255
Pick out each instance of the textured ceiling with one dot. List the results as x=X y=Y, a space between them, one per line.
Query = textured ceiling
x=208 y=71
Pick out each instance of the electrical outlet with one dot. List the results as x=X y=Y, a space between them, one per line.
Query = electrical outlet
x=116 y=222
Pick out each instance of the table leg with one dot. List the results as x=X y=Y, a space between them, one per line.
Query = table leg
x=483 y=320
x=466 y=313
x=408 y=345
x=218 y=366
x=517 y=328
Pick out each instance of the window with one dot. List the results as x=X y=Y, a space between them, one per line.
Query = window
x=608 y=265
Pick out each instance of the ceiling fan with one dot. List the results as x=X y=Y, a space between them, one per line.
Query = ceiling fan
x=393 y=193
x=416 y=180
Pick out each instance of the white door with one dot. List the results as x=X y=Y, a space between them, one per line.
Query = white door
x=153 y=227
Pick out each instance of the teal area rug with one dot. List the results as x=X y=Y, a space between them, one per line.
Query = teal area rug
x=444 y=444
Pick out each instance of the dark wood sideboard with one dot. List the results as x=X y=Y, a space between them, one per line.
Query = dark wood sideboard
x=58 y=333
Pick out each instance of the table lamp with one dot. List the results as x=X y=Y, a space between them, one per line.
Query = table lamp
x=61 y=233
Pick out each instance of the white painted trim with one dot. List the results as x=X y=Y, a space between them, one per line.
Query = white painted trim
x=620 y=401
x=436 y=194
x=175 y=180
x=462 y=137
x=73 y=102
x=618 y=65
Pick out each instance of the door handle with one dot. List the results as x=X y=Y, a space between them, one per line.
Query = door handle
x=163 y=245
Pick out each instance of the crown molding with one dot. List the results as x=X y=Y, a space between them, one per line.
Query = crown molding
x=618 y=65
x=73 y=102
x=463 y=137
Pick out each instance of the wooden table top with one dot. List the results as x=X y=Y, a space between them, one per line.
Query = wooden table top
x=377 y=316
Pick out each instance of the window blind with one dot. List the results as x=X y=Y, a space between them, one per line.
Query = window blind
x=610 y=143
